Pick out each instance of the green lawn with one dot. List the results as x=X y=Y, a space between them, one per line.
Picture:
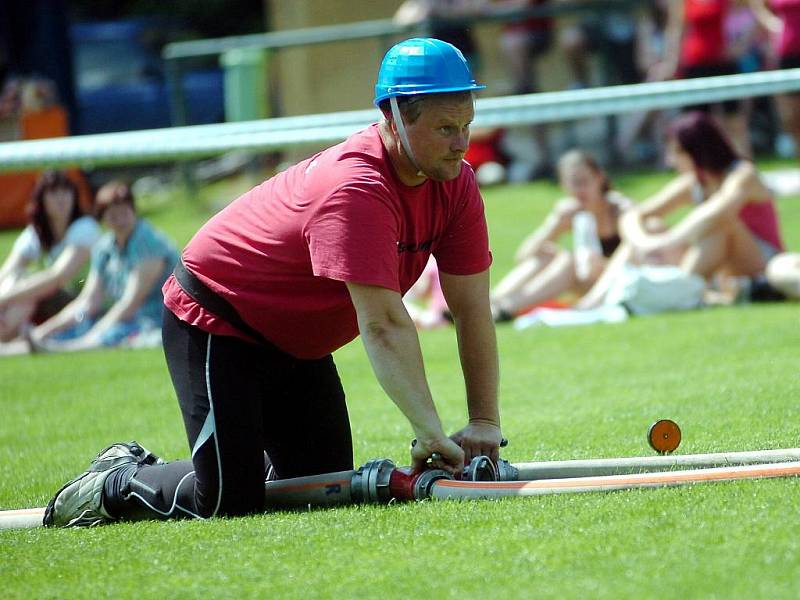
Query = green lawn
x=728 y=376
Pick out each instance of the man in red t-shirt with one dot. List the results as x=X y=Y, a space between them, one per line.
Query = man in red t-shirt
x=296 y=268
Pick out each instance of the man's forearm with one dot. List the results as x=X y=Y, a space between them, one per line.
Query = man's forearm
x=396 y=358
x=477 y=346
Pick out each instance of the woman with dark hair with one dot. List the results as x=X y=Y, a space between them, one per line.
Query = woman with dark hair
x=121 y=300
x=732 y=228
x=544 y=270
x=59 y=237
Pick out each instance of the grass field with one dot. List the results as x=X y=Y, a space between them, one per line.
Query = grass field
x=729 y=376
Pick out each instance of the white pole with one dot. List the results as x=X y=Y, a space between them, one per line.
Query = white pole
x=24 y=518
x=639 y=464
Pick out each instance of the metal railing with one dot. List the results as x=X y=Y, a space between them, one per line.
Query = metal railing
x=162 y=145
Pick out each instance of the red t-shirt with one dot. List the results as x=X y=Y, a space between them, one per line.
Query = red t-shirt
x=280 y=254
x=704 y=36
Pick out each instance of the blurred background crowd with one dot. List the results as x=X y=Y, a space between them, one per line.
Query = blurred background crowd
x=103 y=66
x=80 y=67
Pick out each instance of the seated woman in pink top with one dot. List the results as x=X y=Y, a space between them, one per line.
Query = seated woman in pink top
x=782 y=19
x=728 y=235
x=732 y=227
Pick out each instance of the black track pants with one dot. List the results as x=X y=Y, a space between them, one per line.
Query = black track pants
x=239 y=400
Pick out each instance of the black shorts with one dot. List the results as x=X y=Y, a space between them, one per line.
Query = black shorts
x=728 y=106
x=619 y=50
x=50 y=306
x=791 y=61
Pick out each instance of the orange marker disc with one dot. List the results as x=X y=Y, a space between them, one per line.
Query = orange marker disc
x=664 y=436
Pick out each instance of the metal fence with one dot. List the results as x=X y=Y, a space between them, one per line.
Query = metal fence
x=162 y=145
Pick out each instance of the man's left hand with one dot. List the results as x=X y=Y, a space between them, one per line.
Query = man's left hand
x=479 y=438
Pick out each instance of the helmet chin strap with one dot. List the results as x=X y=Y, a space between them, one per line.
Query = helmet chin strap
x=401 y=129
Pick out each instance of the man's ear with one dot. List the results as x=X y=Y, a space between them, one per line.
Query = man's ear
x=392 y=126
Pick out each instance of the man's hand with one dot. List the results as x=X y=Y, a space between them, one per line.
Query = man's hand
x=479 y=438
x=450 y=456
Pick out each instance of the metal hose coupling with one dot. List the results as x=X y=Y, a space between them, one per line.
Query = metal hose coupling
x=506 y=471
x=380 y=482
x=481 y=468
x=370 y=483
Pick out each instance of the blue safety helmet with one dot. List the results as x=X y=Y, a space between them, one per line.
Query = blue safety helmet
x=423 y=66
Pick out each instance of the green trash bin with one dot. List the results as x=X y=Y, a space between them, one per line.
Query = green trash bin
x=245 y=78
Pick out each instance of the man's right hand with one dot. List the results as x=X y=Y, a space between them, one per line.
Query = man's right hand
x=450 y=456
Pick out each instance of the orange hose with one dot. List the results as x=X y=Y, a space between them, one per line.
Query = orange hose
x=498 y=489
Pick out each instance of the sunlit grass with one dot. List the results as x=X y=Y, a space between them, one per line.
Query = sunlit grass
x=728 y=376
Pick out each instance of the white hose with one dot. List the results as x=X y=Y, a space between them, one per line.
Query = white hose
x=473 y=490
x=640 y=464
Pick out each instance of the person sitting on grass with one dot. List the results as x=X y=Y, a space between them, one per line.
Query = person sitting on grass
x=544 y=270
x=781 y=281
x=731 y=229
x=129 y=265
x=60 y=238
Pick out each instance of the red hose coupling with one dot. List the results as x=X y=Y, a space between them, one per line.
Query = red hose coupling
x=406 y=485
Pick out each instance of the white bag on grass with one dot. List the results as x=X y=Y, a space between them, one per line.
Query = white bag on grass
x=559 y=317
x=646 y=290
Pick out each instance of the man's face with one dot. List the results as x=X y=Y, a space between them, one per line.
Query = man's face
x=440 y=136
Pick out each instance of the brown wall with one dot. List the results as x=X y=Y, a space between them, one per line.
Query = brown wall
x=341 y=75
x=327 y=77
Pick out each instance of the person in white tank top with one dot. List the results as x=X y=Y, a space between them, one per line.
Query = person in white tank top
x=59 y=238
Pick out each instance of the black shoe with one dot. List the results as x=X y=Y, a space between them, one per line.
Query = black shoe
x=79 y=503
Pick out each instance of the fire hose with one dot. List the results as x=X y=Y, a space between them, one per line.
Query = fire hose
x=380 y=481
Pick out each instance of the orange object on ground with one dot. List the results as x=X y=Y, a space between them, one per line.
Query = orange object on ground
x=16 y=188
x=664 y=436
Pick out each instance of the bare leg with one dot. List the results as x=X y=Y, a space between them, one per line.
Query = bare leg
x=554 y=279
x=518 y=60
x=517 y=52
x=595 y=296
x=789 y=110
x=631 y=128
x=736 y=126
x=521 y=274
x=732 y=247
x=13 y=319
x=574 y=46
